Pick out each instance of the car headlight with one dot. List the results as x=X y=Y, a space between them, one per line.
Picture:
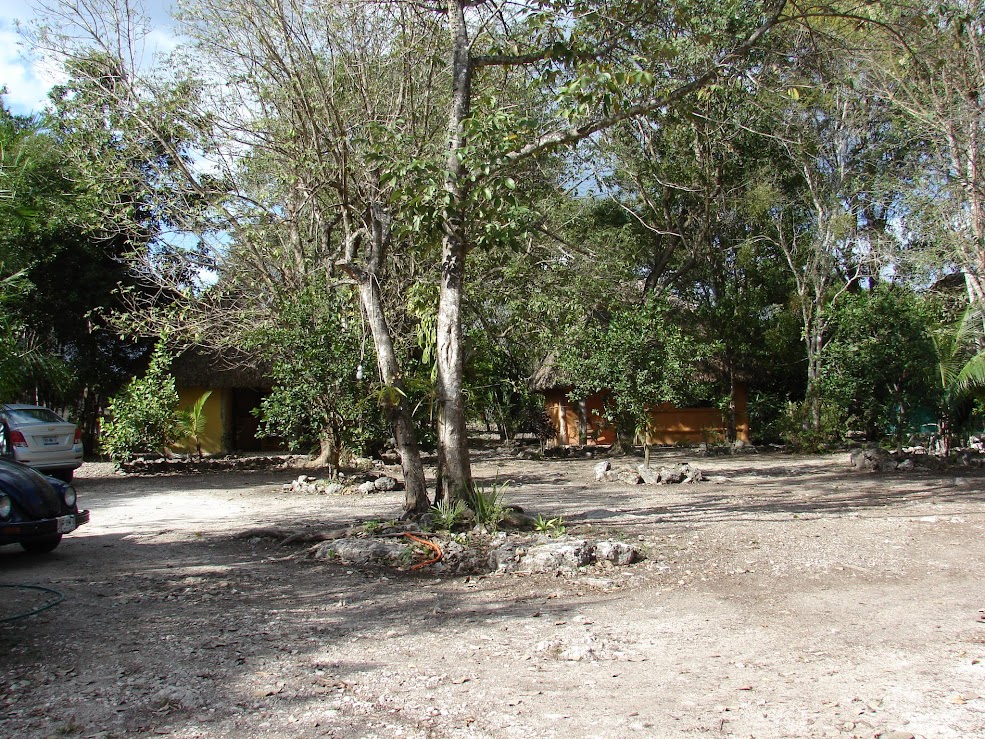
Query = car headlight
x=5 y=506
x=68 y=495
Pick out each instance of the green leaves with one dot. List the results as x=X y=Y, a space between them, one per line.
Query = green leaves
x=879 y=361
x=191 y=422
x=639 y=356
x=142 y=417
x=322 y=366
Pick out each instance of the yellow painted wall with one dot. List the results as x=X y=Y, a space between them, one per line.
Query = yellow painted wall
x=211 y=440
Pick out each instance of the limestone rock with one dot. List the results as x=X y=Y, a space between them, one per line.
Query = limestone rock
x=173 y=695
x=518 y=520
x=361 y=551
x=385 y=483
x=872 y=459
x=617 y=552
x=671 y=475
x=561 y=555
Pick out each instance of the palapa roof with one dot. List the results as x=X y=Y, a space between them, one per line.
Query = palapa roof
x=547 y=376
x=215 y=369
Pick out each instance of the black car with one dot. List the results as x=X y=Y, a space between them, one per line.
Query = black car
x=35 y=511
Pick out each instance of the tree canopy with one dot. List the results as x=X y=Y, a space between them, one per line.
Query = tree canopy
x=668 y=197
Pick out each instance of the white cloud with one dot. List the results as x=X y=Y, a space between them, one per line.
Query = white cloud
x=161 y=41
x=27 y=80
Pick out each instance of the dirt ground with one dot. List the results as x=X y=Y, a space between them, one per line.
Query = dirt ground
x=797 y=598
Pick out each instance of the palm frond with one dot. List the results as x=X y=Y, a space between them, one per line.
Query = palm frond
x=957 y=345
x=971 y=377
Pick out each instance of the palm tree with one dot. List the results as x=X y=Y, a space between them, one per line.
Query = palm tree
x=961 y=369
x=191 y=422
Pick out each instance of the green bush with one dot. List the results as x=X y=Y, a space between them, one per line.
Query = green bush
x=142 y=418
x=879 y=363
x=797 y=431
x=447 y=515
x=325 y=395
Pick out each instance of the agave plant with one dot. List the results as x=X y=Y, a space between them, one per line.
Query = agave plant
x=488 y=505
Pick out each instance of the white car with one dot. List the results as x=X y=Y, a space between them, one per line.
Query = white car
x=40 y=438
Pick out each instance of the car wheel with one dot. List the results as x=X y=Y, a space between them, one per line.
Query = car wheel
x=63 y=475
x=42 y=545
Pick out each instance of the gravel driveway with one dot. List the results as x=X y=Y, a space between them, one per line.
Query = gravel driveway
x=794 y=598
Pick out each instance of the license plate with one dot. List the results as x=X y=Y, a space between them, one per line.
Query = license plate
x=49 y=440
x=66 y=524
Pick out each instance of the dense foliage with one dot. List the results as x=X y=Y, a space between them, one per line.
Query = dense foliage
x=404 y=210
x=325 y=397
x=61 y=265
x=143 y=416
x=880 y=361
x=642 y=357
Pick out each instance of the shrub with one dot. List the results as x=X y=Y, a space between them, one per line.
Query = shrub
x=142 y=417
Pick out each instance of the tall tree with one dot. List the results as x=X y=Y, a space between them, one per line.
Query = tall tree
x=595 y=68
x=930 y=69
x=686 y=184
x=332 y=97
x=59 y=268
x=829 y=203
x=291 y=183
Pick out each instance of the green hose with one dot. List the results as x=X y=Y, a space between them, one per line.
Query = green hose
x=59 y=597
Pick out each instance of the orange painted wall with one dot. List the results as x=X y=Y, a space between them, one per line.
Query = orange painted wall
x=668 y=425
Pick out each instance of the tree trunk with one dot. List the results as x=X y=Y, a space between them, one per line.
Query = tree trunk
x=625 y=442
x=328 y=455
x=732 y=430
x=813 y=396
x=814 y=340
x=453 y=449
x=415 y=486
x=453 y=452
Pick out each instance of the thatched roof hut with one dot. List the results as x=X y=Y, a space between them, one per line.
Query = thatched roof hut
x=201 y=367
x=547 y=375
x=236 y=382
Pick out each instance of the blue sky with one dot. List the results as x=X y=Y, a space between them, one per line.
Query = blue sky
x=28 y=80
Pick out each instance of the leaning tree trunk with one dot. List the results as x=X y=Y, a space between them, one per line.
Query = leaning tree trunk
x=453 y=452
x=398 y=411
x=415 y=486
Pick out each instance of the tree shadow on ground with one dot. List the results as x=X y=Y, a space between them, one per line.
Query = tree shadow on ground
x=161 y=633
x=171 y=629
x=742 y=491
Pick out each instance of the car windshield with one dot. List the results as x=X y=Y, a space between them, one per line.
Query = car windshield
x=33 y=415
